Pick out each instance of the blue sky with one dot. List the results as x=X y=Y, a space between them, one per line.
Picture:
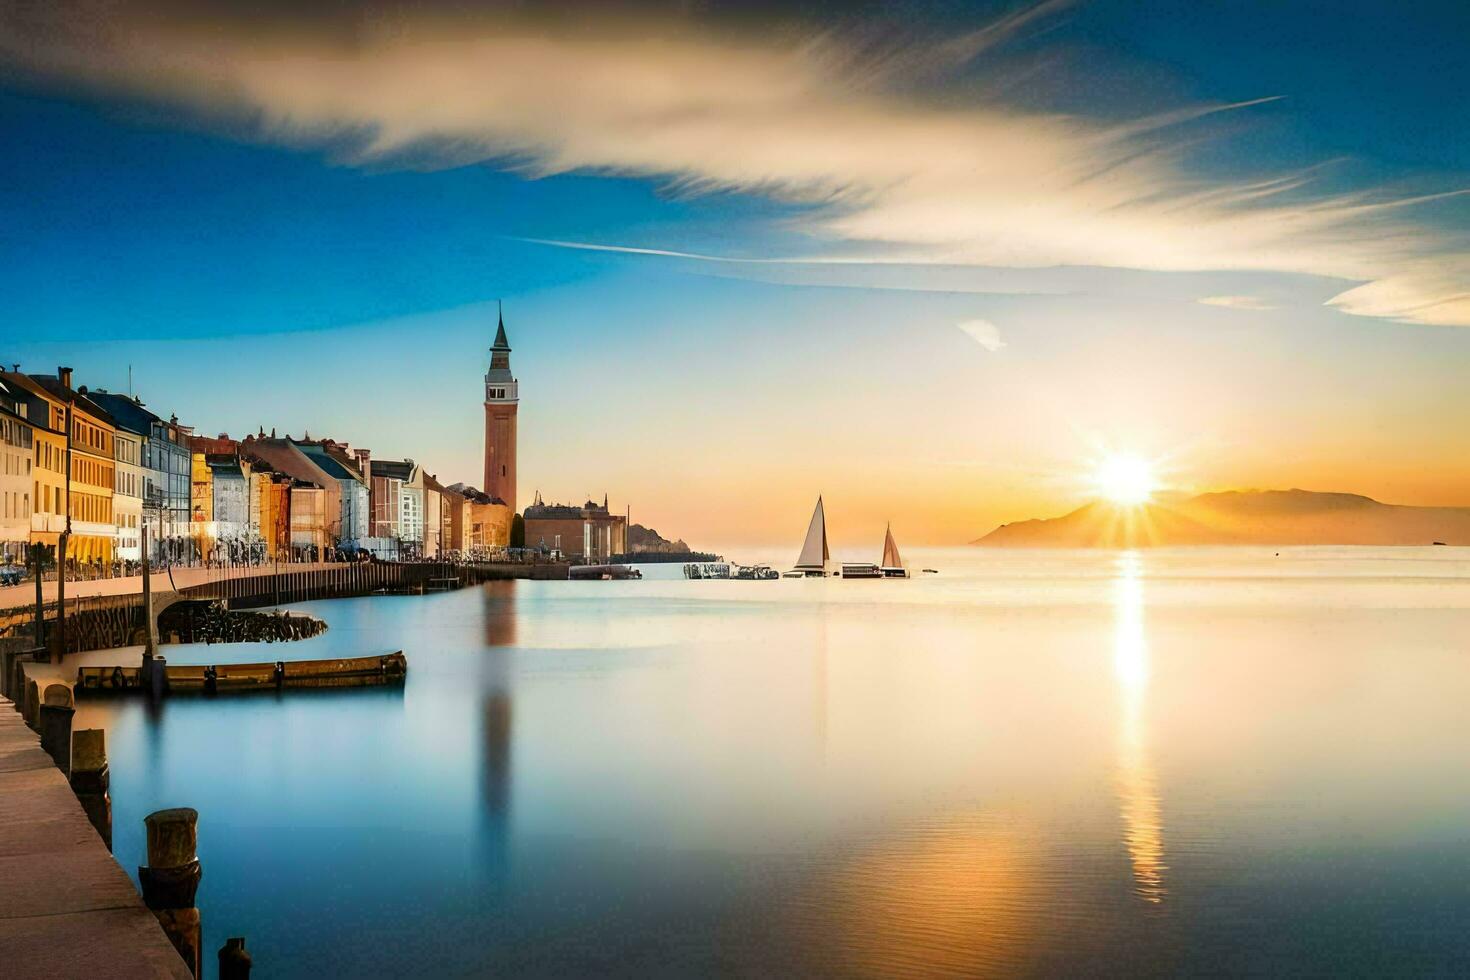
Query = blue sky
x=269 y=241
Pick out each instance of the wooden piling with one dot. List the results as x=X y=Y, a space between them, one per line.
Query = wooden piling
x=90 y=779
x=31 y=709
x=55 y=725
x=234 y=962
x=171 y=879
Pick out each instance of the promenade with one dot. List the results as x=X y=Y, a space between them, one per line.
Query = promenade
x=14 y=596
x=67 y=909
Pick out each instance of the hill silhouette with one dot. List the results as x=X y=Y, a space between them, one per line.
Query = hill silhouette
x=1263 y=517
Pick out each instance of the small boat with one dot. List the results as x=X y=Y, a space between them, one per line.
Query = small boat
x=814 y=557
x=756 y=573
x=931 y=571
x=892 y=566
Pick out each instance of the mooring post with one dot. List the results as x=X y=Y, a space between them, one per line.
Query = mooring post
x=150 y=639
x=56 y=715
x=234 y=962
x=62 y=540
x=171 y=878
x=90 y=779
x=32 y=712
x=37 y=564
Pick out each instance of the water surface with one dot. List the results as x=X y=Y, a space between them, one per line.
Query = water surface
x=1208 y=760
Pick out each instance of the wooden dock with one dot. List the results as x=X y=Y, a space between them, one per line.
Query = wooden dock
x=66 y=908
x=387 y=669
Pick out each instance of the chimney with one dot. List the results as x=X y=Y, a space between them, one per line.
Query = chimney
x=64 y=373
x=364 y=462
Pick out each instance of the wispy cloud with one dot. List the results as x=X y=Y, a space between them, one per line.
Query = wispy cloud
x=984 y=333
x=1238 y=302
x=839 y=128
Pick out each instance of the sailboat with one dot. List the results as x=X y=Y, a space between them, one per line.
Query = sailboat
x=812 y=562
x=892 y=563
x=892 y=566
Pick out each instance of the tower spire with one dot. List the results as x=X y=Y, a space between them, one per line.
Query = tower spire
x=501 y=344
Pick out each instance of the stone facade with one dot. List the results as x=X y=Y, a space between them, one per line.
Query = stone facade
x=588 y=532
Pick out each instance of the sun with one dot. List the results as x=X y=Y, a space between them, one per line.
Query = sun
x=1125 y=479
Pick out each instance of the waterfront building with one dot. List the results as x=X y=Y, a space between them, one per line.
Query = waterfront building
x=398 y=504
x=589 y=532
x=270 y=503
x=455 y=513
x=89 y=491
x=234 y=536
x=171 y=464
x=201 y=500
x=314 y=506
x=411 y=509
x=447 y=501
x=339 y=461
x=433 y=517
x=214 y=490
x=484 y=521
x=502 y=398
x=127 y=491
x=16 y=460
x=384 y=486
x=48 y=470
x=166 y=466
x=47 y=415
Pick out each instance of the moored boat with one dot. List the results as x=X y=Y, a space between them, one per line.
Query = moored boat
x=892 y=564
x=815 y=558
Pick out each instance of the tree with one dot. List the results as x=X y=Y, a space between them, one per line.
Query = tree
x=517 y=531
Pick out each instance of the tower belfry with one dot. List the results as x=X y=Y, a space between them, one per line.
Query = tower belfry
x=501 y=401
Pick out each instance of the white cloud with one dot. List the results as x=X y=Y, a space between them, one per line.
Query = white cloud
x=976 y=180
x=984 y=333
x=1238 y=302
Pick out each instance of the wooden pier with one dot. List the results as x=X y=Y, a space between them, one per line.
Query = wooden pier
x=66 y=908
x=388 y=669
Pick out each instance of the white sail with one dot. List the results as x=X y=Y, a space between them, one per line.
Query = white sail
x=814 y=550
x=891 y=557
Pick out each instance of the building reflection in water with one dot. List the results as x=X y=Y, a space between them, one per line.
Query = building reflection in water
x=496 y=715
x=1143 y=831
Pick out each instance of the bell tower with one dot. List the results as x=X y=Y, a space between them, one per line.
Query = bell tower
x=501 y=400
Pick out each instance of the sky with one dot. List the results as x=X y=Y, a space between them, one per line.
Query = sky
x=931 y=260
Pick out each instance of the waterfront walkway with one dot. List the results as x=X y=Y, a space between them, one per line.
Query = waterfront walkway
x=67 y=909
x=320 y=579
x=14 y=596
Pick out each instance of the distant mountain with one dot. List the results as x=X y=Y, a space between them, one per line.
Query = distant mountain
x=1267 y=517
x=646 y=539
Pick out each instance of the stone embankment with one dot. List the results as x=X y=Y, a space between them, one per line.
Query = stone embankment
x=214 y=623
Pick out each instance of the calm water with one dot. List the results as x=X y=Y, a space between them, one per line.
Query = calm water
x=1213 y=761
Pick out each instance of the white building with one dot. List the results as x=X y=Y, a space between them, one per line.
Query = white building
x=127 y=493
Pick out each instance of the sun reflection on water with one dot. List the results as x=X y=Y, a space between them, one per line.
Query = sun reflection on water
x=1143 y=829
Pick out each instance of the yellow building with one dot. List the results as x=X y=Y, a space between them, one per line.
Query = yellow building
x=47 y=414
x=17 y=459
x=93 y=536
x=201 y=502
